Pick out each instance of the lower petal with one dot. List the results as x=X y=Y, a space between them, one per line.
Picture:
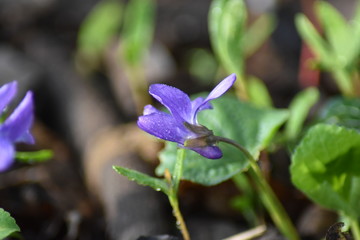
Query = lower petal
x=211 y=152
x=164 y=126
x=7 y=153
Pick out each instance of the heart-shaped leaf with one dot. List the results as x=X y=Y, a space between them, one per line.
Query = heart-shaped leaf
x=325 y=166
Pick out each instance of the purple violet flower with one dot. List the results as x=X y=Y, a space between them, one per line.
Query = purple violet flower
x=16 y=127
x=181 y=124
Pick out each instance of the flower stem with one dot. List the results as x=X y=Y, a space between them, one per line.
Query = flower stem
x=179 y=219
x=355 y=228
x=174 y=187
x=268 y=197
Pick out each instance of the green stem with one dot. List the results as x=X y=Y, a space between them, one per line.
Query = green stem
x=271 y=202
x=179 y=218
x=178 y=169
x=355 y=228
x=174 y=187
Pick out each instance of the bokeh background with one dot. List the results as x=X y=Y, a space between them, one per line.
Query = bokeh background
x=86 y=108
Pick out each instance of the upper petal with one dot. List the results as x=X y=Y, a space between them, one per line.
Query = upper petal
x=17 y=126
x=7 y=93
x=219 y=90
x=7 y=153
x=211 y=152
x=222 y=87
x=175 y=100
x=164 y=126
x=149 y=109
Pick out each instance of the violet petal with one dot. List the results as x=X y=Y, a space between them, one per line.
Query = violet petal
x=198 y=105
x=17 y=126
x=222 y=87
x=149 y=109
x=164 y=126
x=175 y=100
x=7 y=93
x=211 y=152
x=7 y=153
x=219 y=90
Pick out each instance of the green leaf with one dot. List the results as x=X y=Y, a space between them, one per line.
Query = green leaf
x=34 y=157
x=337 y=31
x=233 y=29
x=241 y=121
x=258 y=33
x=227 y=20
x=99 y=27
x=310 y=35
x=299 y=109
x=325 y=166
x=258 y=92
x=8 y=225
x=341 y=111
x=215 y=15
x=355 y=23
x=138 y=29
x=143 y=179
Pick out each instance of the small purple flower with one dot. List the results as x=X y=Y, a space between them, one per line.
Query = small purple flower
x=181 y=124
x=16 y=128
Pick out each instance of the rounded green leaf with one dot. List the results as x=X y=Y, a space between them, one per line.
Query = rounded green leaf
x=241 y=121
x=325 y=166
x=7 y=224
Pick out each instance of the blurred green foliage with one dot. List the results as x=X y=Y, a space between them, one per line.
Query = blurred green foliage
x=299 y=110
x=110 y=21
x=137 y=34
x=233 y=41
x=338 y=51
x=100 y=26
